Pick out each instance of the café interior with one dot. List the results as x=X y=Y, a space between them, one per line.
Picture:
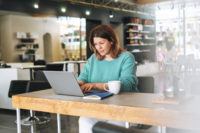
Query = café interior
x=53 y=35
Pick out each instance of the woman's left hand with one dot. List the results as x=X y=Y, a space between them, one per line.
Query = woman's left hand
x=88 y=86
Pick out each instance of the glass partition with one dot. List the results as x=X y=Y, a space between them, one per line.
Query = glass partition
x=171 y=21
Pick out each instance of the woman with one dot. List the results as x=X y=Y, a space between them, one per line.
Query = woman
x=109 y=62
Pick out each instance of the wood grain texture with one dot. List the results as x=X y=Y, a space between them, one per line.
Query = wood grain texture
x=176 y=100
x=175 y=118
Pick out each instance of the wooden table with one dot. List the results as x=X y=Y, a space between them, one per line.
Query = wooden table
x=73 y=62
x=31 y=69
x=126 y=107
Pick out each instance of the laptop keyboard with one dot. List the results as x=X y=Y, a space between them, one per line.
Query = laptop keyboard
x=93 y=91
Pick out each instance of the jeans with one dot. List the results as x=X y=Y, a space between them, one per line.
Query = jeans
x=86 y=124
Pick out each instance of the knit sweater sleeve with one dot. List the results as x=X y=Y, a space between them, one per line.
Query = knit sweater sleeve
x=86 y=71
x=128 y=75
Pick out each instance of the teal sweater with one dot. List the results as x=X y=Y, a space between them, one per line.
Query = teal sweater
x=122 y=68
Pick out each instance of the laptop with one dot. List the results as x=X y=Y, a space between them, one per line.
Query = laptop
x=65 y=83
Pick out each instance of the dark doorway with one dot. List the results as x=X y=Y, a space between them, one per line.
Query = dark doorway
x=90 y=24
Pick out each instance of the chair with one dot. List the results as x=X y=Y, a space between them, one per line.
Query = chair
x=146 y=85
x=54 y=67
x=39 y=62
x=195 y=88
x=24 y=86
x=40 y=76
x=17 y=87
x=37 y=86
x=193 y=63
x=167 y=65
x=103 y=127
x=181 y=61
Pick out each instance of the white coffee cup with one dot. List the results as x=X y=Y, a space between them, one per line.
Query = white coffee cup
x=114 y=86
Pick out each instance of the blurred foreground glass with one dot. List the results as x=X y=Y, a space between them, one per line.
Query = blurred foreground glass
x=174 y=87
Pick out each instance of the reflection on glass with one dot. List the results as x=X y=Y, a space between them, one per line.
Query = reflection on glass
x=73 y=38
x=167 y=14
x=171 y=23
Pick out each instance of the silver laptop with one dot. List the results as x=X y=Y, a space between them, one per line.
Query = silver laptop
x=65 y=83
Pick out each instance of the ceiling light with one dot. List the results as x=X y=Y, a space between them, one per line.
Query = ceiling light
x=63 y=9
x=87 y=12
x=36 y=6
x=111 y=14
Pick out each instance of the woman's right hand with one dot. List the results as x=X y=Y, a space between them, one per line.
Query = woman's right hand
x=80 y=83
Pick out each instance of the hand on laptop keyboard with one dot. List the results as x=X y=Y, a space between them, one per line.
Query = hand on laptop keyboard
x=87 y=87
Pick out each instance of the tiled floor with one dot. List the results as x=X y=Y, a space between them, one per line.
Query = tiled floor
x=69 y=124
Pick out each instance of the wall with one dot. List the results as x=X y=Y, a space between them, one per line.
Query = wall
x=118 y=28
x=11 y=24
x=26 y=24
x=5 y=39
x=48 y=48
x=53 y=28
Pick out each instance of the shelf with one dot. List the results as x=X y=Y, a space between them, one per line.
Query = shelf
x=133 y=45
x=26 y=38
x=72 y=36
x=141 y=45
x=27 y=54
x=27 y=49
x=145 y=31
x=138 y=31
x=132 y=31
x=148 y=25
x=148 y=50
x=132 y=24
x=73 y=27
x=27 y=43
x=149 y=38
x=133 y=38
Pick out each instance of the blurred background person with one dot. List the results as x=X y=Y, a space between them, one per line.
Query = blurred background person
x=164 y=34
x=160 y=50
x=171 y=49
x=157 y=36
x=158 y=39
